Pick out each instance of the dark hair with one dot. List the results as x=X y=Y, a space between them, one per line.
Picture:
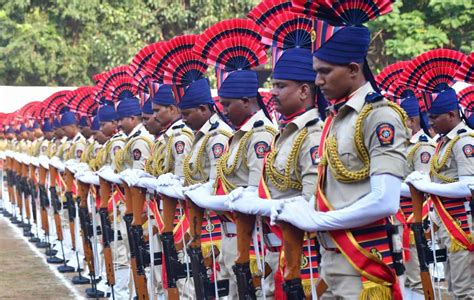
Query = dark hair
x=214 y=109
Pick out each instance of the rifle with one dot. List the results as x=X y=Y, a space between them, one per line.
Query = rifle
x=138 y=197
x=105 y=195
x=71 y=206
x=203 y=286
x=175 y=270
x=86 y=228
x=44 y=201
x=421 y=245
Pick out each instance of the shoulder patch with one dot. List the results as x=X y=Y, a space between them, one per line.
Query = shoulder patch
x=261 y=148
x=385 y=133
x=468 y=150
x=425 y=157
x=137 y=154
x=313 y=152
x=115 y=149
x=179 y=147
x=78 y=153
x=217 y=150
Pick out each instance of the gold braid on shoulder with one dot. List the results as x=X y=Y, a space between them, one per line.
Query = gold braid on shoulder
x=160 y=154
x=190 y=173
x=436 y=164
x=283 y=181
x=331 y=155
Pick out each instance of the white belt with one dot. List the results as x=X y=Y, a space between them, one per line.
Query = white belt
x=271 y=240
x=229 y=228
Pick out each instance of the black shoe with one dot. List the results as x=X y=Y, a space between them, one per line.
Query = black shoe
x=27 y=233
x=80 y=280
x=50 y=252
x=94 y=293
x=42 y=245
x=66 y=269
x=54 y=260
x=34 y=239
x=294 y=289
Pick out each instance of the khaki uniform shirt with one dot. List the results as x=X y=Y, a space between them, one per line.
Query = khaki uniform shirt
x=218 y=132
x=461 y=160
x=171 y=148
x=254 y=150
x=77 y=147
x=385 y=138
x=306 y=160
x=138 y=148
x=419 y=159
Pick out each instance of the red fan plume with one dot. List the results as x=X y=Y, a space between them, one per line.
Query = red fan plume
x=84 y=103
x=97 y=78
x=185 y=69
x=267 y=8
x=343 y=12
x=121 y=87
x=436 y=80
x=226 y=29
x=113 y=74
x=466 y=71
x=428 y=60
x=287 y=30
x=143 y=57
x=55 y=103
x=27 y=110
x=167 y=52
x=389 y=75
x=466 y=99
x=140 y=79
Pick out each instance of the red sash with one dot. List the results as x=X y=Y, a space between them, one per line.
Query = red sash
x=374 y=265
x=454 y=217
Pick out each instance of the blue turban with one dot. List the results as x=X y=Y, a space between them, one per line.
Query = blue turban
x=10 y=130
x=107 y=113
x=347 y=44
x=129 y=107
x=295 y=64
x=22 y=128
x=56 y=123
x=95 y=126
x=35 y=125
x=147 y=109
x=411 y=106
x=164 y=95
x=196 y=94
x=47 y=126
x=68 y=118
x=84 y=121
x=444 y=102
x=239 y=84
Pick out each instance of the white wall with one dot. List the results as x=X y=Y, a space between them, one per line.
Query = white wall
x=14 y=97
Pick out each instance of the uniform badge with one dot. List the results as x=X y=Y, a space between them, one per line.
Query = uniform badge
x=303 y=262
x=179 y=146
x=210 y=227
x=78 y=153
x=425 y=157
x=43 y=149
x=217 y=150
x=376 y=253
x=260 y=149
x=467 y=149
x=313 y=152
x=385 y=134
x=137 y=154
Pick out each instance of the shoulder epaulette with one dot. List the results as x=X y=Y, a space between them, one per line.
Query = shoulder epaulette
x=461 y=131
x=258 y=123
x=423 y=138
x=178 y=126
x=214 y=126
x=136 y=134
x=312 y=122
x=373 y=97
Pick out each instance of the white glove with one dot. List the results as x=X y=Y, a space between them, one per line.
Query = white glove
x=174 y=190
x=405 y=190
x=204 y=198
x=248 y=202
x=71 y=165
x=459 y=189
x=109 y=175
x=44 y=161
x=417 y=176
x=149 y=183
x=89 y=177
x=168 y=179
x=208 y=186
x=58 y=164
x=34 y=161
x=3 y=155
x=129 y=177
x=25 y=159
x=384 y=196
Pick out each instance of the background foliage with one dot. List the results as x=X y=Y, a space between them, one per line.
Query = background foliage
x=64 y=42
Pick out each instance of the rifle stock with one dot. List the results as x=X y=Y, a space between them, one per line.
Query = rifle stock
x=421 y=245
x=105 y=195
